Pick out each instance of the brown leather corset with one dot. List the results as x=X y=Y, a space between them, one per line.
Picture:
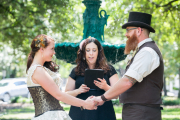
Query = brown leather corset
x=43 y=101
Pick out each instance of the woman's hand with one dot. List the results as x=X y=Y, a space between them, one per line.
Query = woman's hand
x=102 y=84
x=90 y=104
x=83 y=89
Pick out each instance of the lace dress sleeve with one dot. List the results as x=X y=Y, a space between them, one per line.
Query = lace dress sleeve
x=55 y=76
x=29 y=76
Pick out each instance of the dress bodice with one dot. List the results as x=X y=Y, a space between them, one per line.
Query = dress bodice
x=55 y=76
x=43 y=101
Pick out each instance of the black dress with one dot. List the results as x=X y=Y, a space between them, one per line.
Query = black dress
x=104 y=112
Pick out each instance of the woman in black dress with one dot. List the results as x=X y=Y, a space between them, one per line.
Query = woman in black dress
x=91 y=56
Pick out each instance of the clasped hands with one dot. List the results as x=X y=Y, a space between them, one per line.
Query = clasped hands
x=92 y=102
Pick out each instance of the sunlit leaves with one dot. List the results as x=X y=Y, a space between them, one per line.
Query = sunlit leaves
x=22 y=20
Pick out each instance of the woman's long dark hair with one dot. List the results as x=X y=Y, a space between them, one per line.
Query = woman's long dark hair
x=51 y=65
x=101 y=62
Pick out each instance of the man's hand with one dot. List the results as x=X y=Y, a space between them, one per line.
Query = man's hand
x=98 y=100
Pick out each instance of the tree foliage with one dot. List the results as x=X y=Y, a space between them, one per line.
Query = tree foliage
x=22 y=20
x=165 y=20
x=165 y=17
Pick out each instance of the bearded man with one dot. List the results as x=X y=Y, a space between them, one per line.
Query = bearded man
x=140 y=87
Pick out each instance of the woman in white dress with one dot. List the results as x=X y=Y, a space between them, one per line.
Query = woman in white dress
x=43 y=82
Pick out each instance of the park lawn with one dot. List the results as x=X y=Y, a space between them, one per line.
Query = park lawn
x=167 y=113
x=28 y=112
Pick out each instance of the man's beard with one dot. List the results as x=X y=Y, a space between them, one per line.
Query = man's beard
x=131 y=43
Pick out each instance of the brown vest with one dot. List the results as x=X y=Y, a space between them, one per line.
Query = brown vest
x=149 y=90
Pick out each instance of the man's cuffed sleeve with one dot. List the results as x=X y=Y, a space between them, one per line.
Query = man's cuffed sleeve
x=134 y=74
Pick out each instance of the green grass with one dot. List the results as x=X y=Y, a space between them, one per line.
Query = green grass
x=167 y=113
x=28 y=112
x=18 y=114
x=21 y=114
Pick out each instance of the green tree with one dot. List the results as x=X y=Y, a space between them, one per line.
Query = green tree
x=22 y=20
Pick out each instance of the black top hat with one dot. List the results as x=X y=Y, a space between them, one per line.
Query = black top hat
x=139 y=19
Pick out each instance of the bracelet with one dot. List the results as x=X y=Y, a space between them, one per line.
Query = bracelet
x=103 y=98
x=82 y=108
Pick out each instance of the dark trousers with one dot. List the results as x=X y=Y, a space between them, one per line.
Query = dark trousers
x=141 y=112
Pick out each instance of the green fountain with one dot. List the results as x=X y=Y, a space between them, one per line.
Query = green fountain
x=94 y=22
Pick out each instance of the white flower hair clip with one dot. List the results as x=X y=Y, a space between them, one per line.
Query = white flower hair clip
x=81 y=44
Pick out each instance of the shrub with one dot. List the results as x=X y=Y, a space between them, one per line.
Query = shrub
x=14 y=99
x=115 y=102
x=20 y=99
x=171 y=101
x=175 y=88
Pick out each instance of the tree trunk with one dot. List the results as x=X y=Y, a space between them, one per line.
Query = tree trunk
x=179 y=84
x=164 y=88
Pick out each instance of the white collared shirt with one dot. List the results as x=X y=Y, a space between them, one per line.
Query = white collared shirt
x=145 y=61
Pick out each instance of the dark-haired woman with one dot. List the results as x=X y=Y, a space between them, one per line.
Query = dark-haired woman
x=43 y=82
x=91 y=56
